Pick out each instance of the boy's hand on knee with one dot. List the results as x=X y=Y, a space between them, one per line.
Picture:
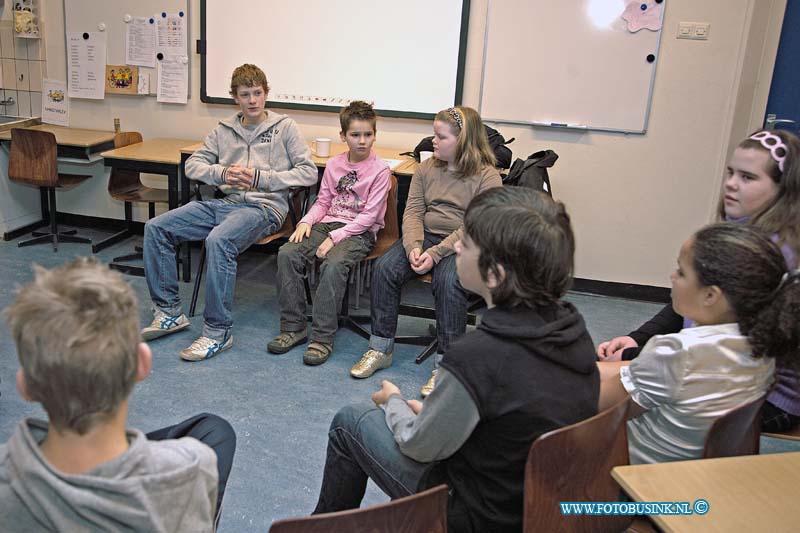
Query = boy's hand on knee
x=387 y=389
x=302 y=231
x=324 y=248
x=415 y=406
x=424 y=264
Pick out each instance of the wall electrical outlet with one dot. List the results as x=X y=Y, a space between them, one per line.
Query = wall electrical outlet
x=697 y=31
x=701 y=30
x=685 y=30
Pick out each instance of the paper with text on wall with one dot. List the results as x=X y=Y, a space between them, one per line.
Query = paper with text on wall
x=86 y=64
x=173 y=67
x=140 y=42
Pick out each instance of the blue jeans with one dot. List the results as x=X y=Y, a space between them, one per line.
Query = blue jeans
x=392 y=270
x=361 y=446
x=228 y=229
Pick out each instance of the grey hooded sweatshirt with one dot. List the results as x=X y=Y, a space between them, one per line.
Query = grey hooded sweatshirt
x=275 y=149
x=160 y=486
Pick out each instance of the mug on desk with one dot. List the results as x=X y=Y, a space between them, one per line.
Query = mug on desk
x=321 y=147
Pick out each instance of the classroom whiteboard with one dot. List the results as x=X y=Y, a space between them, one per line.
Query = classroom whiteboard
x=405 y=56
x=547 y=62
x=92 y=15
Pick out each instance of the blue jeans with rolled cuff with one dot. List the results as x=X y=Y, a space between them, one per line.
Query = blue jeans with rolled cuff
x=391 y=271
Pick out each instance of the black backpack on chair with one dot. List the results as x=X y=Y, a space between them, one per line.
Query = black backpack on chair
x=533 y=171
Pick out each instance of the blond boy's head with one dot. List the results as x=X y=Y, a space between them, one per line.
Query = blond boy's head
x=248 y=75
x=76 y=329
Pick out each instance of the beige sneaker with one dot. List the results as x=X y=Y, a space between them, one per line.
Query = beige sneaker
x=206 y=348
x=428 y=387
x=371 y=362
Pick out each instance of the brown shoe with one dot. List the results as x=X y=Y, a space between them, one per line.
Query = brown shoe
x=287 y=340
x=317 y=353
x=429 y=386
x=371 y=362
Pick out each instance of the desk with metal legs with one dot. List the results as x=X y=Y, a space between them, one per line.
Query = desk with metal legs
x=155 y=156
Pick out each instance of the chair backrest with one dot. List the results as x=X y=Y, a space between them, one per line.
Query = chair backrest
x=737 y=432
x=122 y=181
x=424 y=512
x=390 y=231
x=294 y=215
x=573 y=464
x=33 y=158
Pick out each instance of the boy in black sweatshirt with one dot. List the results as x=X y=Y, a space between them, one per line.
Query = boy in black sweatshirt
x=528 y=369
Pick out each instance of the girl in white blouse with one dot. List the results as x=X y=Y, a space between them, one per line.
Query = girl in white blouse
x=732 y=282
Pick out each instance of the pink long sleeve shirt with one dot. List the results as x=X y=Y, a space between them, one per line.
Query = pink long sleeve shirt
x=352 y=193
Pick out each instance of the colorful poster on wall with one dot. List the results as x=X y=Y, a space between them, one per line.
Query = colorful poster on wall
x=122 y=79
x=55 y=104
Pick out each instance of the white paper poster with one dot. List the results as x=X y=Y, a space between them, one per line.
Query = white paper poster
x=55 y=104
x=173 y=81
x=86 y=64
x=171 y=34
x=140 y=42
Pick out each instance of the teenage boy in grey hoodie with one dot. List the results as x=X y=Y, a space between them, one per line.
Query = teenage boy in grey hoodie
x=77 y=335
x=253 y=158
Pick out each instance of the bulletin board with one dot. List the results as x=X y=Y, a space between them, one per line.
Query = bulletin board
x=88 y=16
x=407 y=57
x=570 y=63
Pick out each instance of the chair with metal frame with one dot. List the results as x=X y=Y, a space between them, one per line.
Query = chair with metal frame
x=33 y=160
x=737 y=432
x=298 y=201
x=126 y=186
x=573 y=464
x=425 y=511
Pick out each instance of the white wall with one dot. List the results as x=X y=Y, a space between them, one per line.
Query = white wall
x=633 y=198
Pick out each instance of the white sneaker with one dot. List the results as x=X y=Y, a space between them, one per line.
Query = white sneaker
x=163 y=324
x=206 y=348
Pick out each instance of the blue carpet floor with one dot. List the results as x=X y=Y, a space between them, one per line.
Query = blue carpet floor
x=279 y=407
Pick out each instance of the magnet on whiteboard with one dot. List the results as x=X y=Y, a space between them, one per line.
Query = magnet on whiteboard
x=101 y=26
x=127 y=18
x=184 y=59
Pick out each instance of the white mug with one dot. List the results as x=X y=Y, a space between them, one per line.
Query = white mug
x=424 y=155
x=321 y=147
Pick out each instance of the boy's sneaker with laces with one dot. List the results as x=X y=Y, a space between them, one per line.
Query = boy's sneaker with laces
x=206 y=348
x=163 y=324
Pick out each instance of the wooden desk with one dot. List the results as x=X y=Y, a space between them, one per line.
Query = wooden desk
x=156 y=156
x=750 y=493
x=73 y=143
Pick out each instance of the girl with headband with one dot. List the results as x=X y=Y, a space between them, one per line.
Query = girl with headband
x=762 y=188
x=732 y=283
x=461 y=167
